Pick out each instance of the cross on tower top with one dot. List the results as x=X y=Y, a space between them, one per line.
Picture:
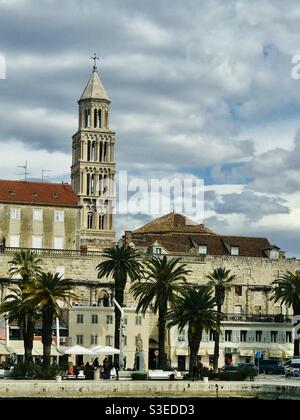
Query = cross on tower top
x=95 y=58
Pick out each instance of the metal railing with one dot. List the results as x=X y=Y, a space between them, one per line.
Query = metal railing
x=52 y=252
x=258 y=318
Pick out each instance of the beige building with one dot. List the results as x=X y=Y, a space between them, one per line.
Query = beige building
x=38 y=215
x=92 y=325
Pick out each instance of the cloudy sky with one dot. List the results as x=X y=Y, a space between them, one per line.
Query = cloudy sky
x=200 y=88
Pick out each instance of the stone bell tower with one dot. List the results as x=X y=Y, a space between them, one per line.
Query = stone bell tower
x=93 y=165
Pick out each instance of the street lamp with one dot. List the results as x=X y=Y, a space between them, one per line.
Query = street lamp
x=120 y=333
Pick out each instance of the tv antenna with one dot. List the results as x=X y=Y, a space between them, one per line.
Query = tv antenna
x=43 y=172
x=25 y=167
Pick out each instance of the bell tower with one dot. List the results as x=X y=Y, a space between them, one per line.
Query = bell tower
x=93 y=165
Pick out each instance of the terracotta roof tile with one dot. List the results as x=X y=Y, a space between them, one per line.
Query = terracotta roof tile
x=41 y=193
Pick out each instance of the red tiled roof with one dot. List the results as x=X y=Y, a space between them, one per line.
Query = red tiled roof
x=41 y=193
x=173 y=222
x=175 y=235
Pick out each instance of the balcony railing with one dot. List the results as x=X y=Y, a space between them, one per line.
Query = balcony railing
x=53 y=252
x=258 y=318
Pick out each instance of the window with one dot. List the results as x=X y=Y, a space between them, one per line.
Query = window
x=203 y=249
x=90 y=221
x=258 y=335
x=125 y=340
x=288 y=337
x=248 y=272
x=257 y=309
x=61 y=271
x=37 y=241
x=181 y=336
x=94 y=319
x=14 y=241
x=37 y=214
x=79 y=319
x=238 y=290
x=109 y=319
x=228 y=335
x=138 y=320
x=238 y=309
x=59 y=215
x=125 y=320
x=15 y=214
x=157 y=250
x=94 y=339
x=58 y=242
x=235 y=250
x=211 y=335
x=109 y=340
x=79 y=339
x=273 y=336
x=243 y=335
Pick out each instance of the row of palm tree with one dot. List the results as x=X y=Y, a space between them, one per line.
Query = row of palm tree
x=37 y=296
x=161 y=283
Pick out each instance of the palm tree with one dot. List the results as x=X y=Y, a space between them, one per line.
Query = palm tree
x=121 y=262
x=195 y=308
x=286 y=290
x=164 y=280
x=17 y=309
x=25 y=264
x=219 y=279
x=45 y=293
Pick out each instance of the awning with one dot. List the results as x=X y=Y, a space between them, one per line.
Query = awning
x=275 y=353
x=3 y=350
x=246 y=352
x=202 y=352
x=182 y=352
x=288 y=353
x=17 y=347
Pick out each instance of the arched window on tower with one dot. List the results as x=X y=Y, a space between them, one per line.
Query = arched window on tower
x=88 y=184
x=100 y=153
x=105 y=184
x=106 y=118
x=105 y=152
x=101 y=221
x=90 y=220
x=92 y=183
x=95 y=118
x=88 y=150
x=99 y=118
x=100 y=184
x=93 y=151
x=87 y=118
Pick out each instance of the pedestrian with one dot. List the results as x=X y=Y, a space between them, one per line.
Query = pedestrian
x=195 y=372
x=96 y=363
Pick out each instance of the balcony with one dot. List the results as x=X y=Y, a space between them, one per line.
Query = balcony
x=258 y=318
x=52 y=252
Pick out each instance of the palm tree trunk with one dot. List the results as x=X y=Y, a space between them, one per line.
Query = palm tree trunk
x=194 y=344
x=28 y=336
x=47 y=318
x=217 y=340
x=162 y=337
x=119 y=296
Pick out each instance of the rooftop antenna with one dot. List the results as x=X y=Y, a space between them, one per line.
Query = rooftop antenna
x=25 y=167
x=43 y=172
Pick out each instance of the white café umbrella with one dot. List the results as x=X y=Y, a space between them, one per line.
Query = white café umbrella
x=78 y=350
x=105 y=350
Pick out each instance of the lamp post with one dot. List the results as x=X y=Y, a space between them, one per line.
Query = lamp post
x=120 y=333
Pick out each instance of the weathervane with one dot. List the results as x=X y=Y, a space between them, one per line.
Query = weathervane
x=95 y=58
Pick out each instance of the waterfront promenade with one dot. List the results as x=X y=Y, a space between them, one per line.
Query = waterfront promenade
x=262 y=388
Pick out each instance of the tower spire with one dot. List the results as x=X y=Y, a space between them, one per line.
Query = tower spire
x=95 y=58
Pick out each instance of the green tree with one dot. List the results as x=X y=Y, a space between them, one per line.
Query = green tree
x=220 y=279
x=195 y=308
x=26 y=265
x=45 y=293
x=286 y=291
x=164 y=280
x=121 y=262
